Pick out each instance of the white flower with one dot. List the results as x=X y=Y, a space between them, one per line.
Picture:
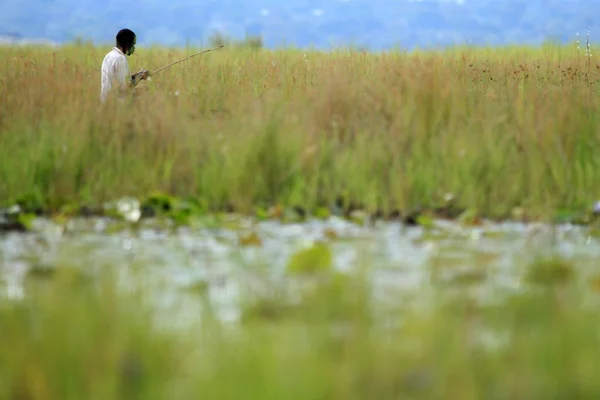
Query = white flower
x=129 y=208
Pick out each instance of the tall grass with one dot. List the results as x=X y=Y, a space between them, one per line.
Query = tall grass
x=71 y=339
x=498 y=128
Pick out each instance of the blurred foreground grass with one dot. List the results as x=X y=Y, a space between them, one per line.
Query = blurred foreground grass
x=71 y=337
x=497 y=128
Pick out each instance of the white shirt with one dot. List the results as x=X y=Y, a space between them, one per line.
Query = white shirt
x=115 y=73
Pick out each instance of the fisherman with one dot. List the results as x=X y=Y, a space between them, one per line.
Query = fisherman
x=115 y=68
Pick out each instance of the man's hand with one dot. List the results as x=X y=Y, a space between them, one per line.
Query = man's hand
x=144 y=74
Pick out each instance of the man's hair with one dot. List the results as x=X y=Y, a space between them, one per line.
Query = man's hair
x=125 y=38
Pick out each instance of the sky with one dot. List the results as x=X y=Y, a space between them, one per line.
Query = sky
x=370 y=24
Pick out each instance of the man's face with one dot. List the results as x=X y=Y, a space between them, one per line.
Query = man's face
x=131 y=50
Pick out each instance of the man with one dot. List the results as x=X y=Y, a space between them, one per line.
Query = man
x=115 y=68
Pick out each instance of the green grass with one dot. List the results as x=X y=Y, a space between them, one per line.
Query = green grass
x=498 y=128
x=74 y=337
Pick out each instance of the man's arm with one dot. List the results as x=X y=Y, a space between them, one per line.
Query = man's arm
x=126 y=80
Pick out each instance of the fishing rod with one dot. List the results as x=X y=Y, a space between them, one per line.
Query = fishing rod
x=183 y=59
x=187 y=58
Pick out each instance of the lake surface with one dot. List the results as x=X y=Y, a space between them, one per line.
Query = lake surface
x=243 y=256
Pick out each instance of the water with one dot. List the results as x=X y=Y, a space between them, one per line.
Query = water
x=178 y=263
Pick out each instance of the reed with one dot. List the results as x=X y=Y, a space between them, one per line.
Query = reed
x=496 y=128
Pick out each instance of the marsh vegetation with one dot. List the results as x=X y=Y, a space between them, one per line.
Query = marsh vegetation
x=289 y=224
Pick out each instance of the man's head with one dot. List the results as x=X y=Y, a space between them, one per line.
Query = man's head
x=126 y=41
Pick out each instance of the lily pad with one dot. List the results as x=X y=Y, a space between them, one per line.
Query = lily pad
x=261 y=213
x=518 y=214
x=231 y=221
x=566 y=216
x=359 y=217
x=425 y=221
x=468 y=277
x=551 y=271
x=435 y=235
x=65 y=274
x=199 y=287
x=322 y=213
x=293 y=214
x=493 y=234
x=39 y=271
x=317 y=258
x=26 y=220
x=265 y=309
x=70 y=210
x=116 y=227
x=276 y=211
x=250 y=239
x=60 y=219
x=330 y=234
x=470 y=218
x=485 y=258
x=441 y=261
x=210 y=221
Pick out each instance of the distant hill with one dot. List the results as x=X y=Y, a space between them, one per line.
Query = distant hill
x=372 y=24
